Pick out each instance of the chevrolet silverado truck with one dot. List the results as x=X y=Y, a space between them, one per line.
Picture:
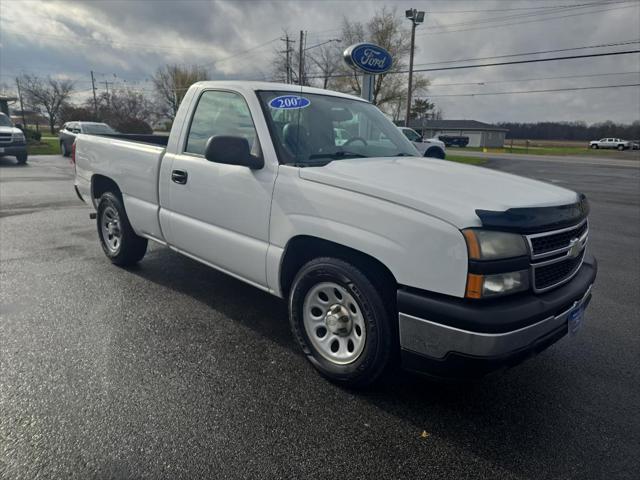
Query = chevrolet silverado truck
x=12 y=140
x=382 y=255
x=616 y=143
x=430 y=147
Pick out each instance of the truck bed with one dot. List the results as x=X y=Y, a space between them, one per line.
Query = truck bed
x=133 y=162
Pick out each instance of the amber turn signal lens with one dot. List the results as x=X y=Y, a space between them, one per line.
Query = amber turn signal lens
x=473 y=247
x=474 y=286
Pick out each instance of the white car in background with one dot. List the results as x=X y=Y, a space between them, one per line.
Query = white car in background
x=431 y=147
x=610 y=143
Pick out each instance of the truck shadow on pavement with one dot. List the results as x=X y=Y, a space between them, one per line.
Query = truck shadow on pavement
x=514 y=420
x=11 y=162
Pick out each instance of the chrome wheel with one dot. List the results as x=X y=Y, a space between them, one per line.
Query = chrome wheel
x=334 y=323
x=110 y=229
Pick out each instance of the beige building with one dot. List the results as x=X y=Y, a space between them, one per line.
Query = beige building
x=480 y=134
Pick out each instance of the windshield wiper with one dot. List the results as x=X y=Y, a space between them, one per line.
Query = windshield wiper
x=337 y=155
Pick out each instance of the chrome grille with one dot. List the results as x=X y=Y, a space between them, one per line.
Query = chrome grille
x=556 y=256
x=550 y=243
x=5 y=137
x=554 y=273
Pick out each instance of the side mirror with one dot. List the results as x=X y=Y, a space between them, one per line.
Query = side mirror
x=420 y=139
x=231 y=151
x=19 y=125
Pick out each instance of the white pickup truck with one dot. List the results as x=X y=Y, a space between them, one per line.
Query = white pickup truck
x=381 y=254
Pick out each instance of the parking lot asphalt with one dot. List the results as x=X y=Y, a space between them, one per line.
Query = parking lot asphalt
x=173 y=370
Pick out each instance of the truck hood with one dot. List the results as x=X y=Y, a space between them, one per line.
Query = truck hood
x=11 y=130
x=446 y=190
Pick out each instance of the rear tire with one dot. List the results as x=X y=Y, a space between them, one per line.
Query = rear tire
x=118 y=240
x=347 y=336
x=621 y=147
x=22 y=159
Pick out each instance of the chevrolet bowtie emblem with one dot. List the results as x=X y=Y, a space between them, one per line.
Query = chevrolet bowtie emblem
x=574 y=248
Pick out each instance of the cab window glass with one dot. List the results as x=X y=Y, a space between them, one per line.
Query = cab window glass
x=220 y=113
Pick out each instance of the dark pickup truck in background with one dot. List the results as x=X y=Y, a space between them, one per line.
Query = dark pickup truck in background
x=454 y=141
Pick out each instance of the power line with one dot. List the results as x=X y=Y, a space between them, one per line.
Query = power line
x=602 y=45
x=547 y=90
x=546 y=7
x=496 y=64
x=481 y=82
x=549 y=10
x=235 y=54
x=517 y=62
x=431 y=32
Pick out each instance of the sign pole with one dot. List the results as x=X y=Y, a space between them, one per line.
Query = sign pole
x=366 y=91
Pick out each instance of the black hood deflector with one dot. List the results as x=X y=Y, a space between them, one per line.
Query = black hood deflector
x=535 y=219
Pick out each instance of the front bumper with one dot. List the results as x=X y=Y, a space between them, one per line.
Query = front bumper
x=448 y=337
x=13 y=149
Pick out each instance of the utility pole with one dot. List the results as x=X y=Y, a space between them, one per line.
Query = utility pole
x=95 y=100
x=301 y=59
x=416 y=19
x=288 y=52
x=106 y=86
x=24 y=122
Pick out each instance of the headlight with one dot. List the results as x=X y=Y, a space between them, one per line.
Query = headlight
x=486 y=286
x=487 y=249
x=489 y=245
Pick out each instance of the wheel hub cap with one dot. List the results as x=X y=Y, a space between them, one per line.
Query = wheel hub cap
x=334 y=323
x=338 y=320
x=110 y=229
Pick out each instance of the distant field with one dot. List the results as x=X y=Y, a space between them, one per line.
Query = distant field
x=553 y=147
x=549 y=143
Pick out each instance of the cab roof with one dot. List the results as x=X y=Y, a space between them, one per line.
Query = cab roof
x=247 y=85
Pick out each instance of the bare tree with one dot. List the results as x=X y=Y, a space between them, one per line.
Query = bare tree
x=126 y=110
x=171 y=83
x=46 y=95
x=326 y=60
x=385 y=29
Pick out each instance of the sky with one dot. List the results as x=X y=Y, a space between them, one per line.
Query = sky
x=124 y=42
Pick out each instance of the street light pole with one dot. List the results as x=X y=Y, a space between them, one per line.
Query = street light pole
x=416 y=19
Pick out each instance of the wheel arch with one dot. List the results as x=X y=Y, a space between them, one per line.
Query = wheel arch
x=101 y=184
x=303 y=248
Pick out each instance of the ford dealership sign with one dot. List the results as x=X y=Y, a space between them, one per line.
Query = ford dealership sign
x=368 y=57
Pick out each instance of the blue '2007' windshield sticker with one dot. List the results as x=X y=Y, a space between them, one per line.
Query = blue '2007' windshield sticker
x=289 y=102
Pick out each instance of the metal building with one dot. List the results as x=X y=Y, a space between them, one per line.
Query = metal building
x=480 y=134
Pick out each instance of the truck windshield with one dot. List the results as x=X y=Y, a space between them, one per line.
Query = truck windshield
x=5 y=121
x=312 y=129
x=97 y=128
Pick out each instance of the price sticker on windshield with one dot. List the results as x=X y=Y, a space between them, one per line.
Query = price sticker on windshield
x=289 y=102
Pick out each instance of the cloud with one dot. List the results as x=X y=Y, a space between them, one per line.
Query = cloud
x=131 y=39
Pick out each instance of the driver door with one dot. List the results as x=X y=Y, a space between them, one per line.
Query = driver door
x=219 y=213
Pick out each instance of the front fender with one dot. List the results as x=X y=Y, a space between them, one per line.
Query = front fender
x=420 y=251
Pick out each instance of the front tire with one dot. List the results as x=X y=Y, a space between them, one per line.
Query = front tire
x=594 y=147
x=339 y=320
x=434 y=153
x=22 y=159
x=621 y=147
x=118 y=240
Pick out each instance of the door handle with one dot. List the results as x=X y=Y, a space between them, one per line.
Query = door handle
x=179 y=177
